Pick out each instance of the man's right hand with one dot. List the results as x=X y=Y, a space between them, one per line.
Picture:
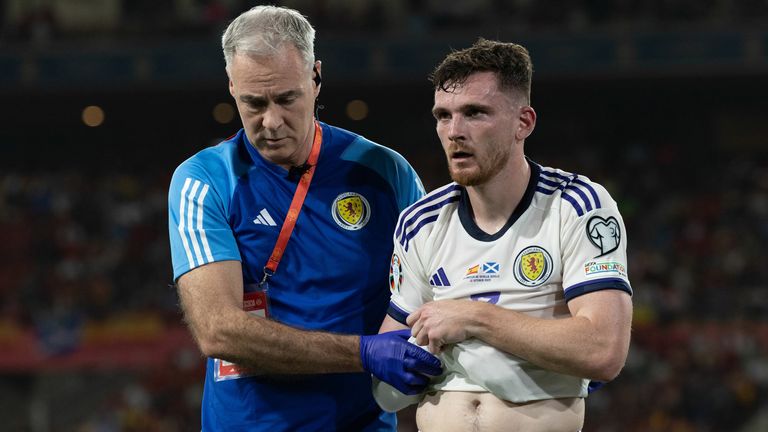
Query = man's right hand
x=394 y=360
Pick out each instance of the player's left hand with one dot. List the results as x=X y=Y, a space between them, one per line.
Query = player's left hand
x=442 y=322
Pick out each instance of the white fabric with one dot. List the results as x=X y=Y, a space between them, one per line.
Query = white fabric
x=544 y=257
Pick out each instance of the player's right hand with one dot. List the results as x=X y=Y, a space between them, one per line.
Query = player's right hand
x=394 y=360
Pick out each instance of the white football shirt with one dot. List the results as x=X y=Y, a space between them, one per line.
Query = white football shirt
x=566 y=238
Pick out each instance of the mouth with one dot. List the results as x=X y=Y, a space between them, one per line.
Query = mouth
x=460 y=155
x=273 y=141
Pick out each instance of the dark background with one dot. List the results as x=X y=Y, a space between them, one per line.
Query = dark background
x=663 y=102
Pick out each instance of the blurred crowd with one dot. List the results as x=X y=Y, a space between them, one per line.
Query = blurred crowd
x=78 y=246
x=46 y=21
x=84 y=250
x=84 y=247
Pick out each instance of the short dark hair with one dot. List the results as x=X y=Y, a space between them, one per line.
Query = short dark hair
x=509 y=61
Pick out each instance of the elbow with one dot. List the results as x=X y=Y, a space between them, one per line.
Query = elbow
x=211 y=340
x=215 y=332
x=607 y=365
x=608 y=356
x=607 y=372
x=210 y=347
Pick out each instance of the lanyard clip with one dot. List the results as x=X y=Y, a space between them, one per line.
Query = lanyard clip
x=267 y=274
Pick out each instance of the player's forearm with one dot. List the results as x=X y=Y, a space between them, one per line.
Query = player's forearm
x=273 y=348
x=572 y=346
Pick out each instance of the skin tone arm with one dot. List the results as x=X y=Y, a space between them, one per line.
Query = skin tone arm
x=592 y=343
x=391 y=324
x=212 y=300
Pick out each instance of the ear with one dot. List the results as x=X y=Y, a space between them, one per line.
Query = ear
x=231 y=88
x=317 y=76
x=527 y=122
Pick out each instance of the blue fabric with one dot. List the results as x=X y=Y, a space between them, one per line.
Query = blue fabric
x=330 y=278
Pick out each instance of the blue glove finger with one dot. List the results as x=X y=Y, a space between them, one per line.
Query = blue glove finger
x=412 y=390
x=421 y=361
x=415 y=380
x=394 y=360
x=594 y=386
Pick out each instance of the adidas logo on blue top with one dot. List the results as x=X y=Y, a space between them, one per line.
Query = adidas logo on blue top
x=264 y=218
x=439 y=278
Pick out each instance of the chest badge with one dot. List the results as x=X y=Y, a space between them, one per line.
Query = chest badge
x=351 y=211
x=533 y=266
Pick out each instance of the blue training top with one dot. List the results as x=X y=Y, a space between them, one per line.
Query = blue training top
x=228 y=203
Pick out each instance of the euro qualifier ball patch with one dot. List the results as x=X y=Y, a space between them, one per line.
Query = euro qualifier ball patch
x=395 y=274
x=351 y=211
x=533 y=266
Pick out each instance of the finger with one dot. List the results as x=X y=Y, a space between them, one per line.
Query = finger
x=421 y=339
x=416 y=380
x=426 y=368
x=416 y=328
x=435 y=346
x=420 y=361
x=412 y=318
x=414 y=384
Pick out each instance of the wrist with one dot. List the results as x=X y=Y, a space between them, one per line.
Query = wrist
x=360 y=361
x=477 y=319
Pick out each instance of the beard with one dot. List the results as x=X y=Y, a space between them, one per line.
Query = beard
x=487 y=167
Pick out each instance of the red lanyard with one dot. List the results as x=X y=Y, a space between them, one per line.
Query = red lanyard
x=295 y=209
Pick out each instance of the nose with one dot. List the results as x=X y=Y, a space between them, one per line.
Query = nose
x=456 y=128
x=272 y=118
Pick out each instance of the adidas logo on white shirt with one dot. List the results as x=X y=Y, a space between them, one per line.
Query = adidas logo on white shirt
x=439 y=278
x=264 y=218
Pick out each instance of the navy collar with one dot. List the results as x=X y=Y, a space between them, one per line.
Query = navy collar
x=466 y=213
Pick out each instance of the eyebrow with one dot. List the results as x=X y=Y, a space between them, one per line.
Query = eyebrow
x=463 y=108
x=438 y=110
x=253 y=99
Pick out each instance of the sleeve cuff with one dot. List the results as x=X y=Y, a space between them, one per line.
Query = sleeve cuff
x=597 y=285
x=398 y=314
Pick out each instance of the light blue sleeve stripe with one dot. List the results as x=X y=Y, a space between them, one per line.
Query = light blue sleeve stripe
x=198 y=208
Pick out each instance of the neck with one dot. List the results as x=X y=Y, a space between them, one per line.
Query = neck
x=494 y=201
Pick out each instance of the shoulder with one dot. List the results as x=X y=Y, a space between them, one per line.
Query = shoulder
x=572 y=192
x=383 y=162
x=216 y=162
x=217 y=167
x=359 y=149
x=421 y=216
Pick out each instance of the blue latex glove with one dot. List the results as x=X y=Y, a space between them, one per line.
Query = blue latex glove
x=595 y=386
x=394 y=360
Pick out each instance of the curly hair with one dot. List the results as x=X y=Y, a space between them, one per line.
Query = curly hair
x=509 y=61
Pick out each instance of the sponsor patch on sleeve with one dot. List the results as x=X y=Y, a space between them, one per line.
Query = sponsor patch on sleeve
x=602 y=268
